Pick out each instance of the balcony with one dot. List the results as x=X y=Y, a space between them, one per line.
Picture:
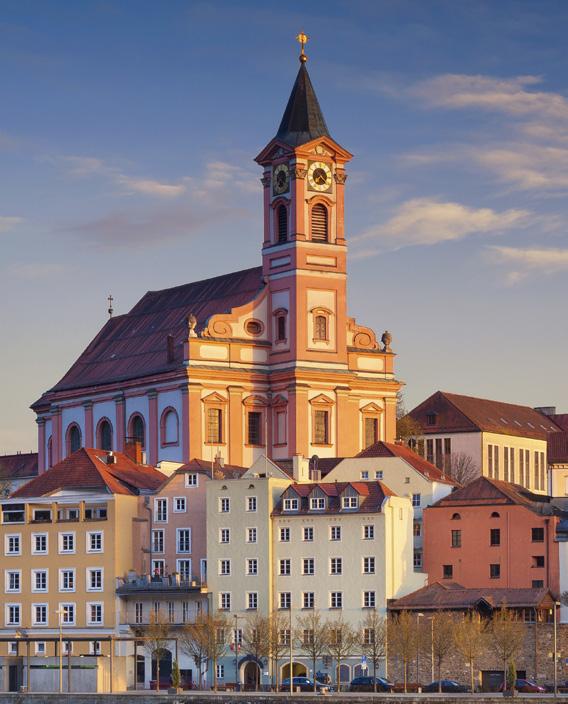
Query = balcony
x=172 y=583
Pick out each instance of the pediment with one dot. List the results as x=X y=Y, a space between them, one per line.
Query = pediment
x=214 y=398
x=371 y=408
x=255 y=400
x=321 y=400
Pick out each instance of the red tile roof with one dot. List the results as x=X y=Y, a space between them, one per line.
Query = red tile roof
x=87 y=469
x=372 y=496
x=457 y=413
x=19 y=466
x=134 y=345
x=388 y=449
x=451 y=595
x=558 y=448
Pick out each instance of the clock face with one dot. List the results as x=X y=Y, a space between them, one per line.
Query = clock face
x=319 y=176
x=280 y=179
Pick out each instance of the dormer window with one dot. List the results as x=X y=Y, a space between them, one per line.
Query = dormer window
x=350 y=502
x=282 y=223
x=317 y=504
x=290 y=504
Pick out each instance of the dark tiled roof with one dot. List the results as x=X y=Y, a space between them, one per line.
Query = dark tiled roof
x=134 y=345
x=558 y=447
x=451 y=595
x=88 y=469
x=458 y=413
x=372 y=495
x=20 y=466
x=227 y=471
x=387 y=449
x=303 y=119
x=561 y=420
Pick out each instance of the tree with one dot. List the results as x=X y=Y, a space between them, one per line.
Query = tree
x=193 y=640
x=256 y=639
x=278 y=622
x=469 y=637
x=342 y=642
x=313 y=640
x=217 y=632
x=373 y=641
x=402 y=639
x=406 y=427
x=443 y=626
x=157 y=637
x=462 y=468
x=507 y=636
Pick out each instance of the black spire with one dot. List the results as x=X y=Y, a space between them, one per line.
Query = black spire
x=303 y=119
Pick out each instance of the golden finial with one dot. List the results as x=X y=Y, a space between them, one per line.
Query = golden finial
x=302 y=38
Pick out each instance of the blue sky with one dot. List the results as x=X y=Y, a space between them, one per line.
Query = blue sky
x=127 y=133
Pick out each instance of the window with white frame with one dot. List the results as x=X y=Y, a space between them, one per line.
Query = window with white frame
x=224 y=504
x=251 y=534
x=308 y=600
x=417 y=560
x=284 y=636
x=369 y=600
x=225 y=567
x=67 y=647
x=39 y=544
x=94 y=579
x=158 y=540
x=308 y=534
x=224 y=535
x=95 y=647
x=67 y=543
x=251 y=503
x=185 y=612
x=335 y=565
x=160 y=510
x=364 y=474
x=220 y=672
x=183 y=568
x=285 y=567
x=317 y=503
x=156 y=607
x=225 y=601
x=284 y=535
x=290 y=504
x=40 y=647
x=95 y=541
x=13 y=647
x=336 y=600
x=67 y=580
x=39 y=580
x=171 y=612
x=368 y=531
x=138 y=612
x=308 y=565
x=252 y=566
x=183 y=540
x=13 y=544
x=158 y=568
x=368 y=565
x=191 y=480
x=284 y=600
x=335 y=533
x=39 y=614
x=416 y=500
x=13 y=581
x=252 y=600
x=94 y=612
x=13 y=614
x=379 y=474
x=180 y=504
x=350 y=502
x=67 y=611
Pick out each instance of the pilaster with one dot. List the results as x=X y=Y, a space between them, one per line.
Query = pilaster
x=152 y=427
x=390 y=419
x=195 y=421
x=298 y=419
x=184 y=423
x=41 y=464
x=88 y=419
x=235 y=444
x=120 y=430
x=347 y=422
x=56 y=439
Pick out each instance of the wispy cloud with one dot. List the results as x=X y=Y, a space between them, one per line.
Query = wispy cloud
x=426 y=221
x=531 y=260
x=37 y=270
x=7 y=223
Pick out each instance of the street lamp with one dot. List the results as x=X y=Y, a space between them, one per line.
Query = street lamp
x=236 y=653
x=556 y=605
x=59 y=613
x=418 y=617
x=290 y=636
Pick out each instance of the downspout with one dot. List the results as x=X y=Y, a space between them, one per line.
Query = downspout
x=547 y=524
x=148 y=508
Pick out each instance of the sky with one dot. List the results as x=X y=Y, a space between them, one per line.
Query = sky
x=128 y=130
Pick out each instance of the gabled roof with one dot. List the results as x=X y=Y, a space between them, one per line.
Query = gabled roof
x=459 y=413
x=561 y=420
x=372 y=495
x=489 y=492
x=558 y=447
x=203 y=467
x=388 y=449
x=134 y=345
x=88 y=470
x=303 y=119
x=440 y=596
x=19 y=466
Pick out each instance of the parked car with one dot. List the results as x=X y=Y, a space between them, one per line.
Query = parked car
x=305 y=684
x=365 y=684
x=165 y=683
x=527 y=687
x=448 y=686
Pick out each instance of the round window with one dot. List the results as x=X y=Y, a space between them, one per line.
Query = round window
x=254 y=327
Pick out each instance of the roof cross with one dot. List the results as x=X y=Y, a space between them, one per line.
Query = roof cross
x=110 y=299
x=302 y=39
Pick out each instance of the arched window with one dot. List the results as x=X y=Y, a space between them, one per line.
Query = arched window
x=456 y=517
x=320 y=223
x=137 y=431
x=320 y=327
x=495 y=515
x=169 y=427
x=73 y=438
x=104 y=434
x=49 y=452
x=282 y=220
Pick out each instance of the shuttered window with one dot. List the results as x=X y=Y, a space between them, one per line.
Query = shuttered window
x=321 y=428
x=282 y=223
x=320 y=327
x=320 y=223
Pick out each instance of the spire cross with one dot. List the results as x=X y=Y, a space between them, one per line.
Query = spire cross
x=110 y=299
x=302 y=39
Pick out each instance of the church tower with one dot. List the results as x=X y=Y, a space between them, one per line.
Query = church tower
x=304 y=248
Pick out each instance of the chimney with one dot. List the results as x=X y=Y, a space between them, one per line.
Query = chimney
x=546 y=410
x=300 y=468
x=170 y=348
x=133 y=450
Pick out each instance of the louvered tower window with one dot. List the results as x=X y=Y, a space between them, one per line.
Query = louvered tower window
x=320 y=224
x=282 y=223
